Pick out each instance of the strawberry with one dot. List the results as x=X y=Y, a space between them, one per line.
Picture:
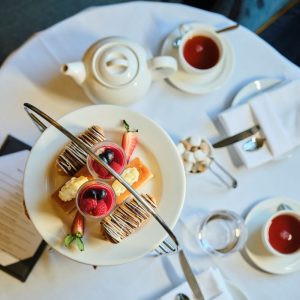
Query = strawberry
x=100 y=209
x=129 y=140
x=77 y=231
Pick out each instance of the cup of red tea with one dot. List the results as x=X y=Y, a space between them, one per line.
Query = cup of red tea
x=281 y=233
x=112 y=154
x=201 y=50
x=95 y=199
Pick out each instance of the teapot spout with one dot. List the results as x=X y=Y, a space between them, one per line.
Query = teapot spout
x=76 y=70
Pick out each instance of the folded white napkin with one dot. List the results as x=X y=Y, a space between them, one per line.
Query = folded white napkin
x=211 y=283
x=277 y=111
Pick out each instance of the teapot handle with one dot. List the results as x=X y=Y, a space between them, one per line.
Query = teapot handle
x=162 y=67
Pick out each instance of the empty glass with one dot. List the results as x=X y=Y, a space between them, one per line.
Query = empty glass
x=222 y=232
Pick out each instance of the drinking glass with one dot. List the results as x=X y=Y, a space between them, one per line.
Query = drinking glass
x=222 y=232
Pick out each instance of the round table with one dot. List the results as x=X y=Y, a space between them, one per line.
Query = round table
x=31 y=74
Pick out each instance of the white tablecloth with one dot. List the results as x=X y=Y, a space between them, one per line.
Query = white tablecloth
x=31 y=74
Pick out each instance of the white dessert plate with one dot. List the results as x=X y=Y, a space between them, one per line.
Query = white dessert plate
x=156 y=150
x=254 y=246
x=197 y=84
x=254 y=88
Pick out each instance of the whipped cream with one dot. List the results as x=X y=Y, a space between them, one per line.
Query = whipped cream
x=130 y=175
x=70 y=188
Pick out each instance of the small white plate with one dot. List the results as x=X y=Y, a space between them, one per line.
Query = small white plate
x=251 y=90
x=197 y=84
x=254 y=246
x=254 y=88
x=156 y=150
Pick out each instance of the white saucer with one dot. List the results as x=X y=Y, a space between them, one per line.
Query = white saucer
x=197 y=84
x=254 y=88
x=254 y=246
x=235 y=292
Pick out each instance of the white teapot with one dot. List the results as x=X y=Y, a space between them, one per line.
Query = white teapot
x=116 y=70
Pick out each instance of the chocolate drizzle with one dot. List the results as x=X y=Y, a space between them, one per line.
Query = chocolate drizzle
x=126 y=219
x=73 y=158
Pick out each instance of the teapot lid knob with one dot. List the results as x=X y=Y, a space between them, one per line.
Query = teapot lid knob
x=116 y=65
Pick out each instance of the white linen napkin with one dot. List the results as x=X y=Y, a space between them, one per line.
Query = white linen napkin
x=211 y=283
x=277 y=111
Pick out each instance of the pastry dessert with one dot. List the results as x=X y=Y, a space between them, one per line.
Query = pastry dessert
x=72 y=158
x=95 y=199
x=112 y=154
x=136 y=174
x=126 y=219
x=65 y=195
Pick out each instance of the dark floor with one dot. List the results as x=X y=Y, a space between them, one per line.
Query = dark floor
x=284 y=34
x=19 y=19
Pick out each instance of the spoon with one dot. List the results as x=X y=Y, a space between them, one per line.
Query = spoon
x=283 y=206
x=182 y=296
x=253 y=144
x=176 y=43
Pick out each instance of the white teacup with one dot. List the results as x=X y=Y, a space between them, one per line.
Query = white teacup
x=281 y=233
x=201 y=50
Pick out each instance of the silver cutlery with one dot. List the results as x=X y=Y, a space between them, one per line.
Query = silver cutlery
x=283 y=206
x=177 y=41
x=253 y=144
x=189 y=275
x=234 y=182
x=182 y=296
x=228 y=28
x=237 y=137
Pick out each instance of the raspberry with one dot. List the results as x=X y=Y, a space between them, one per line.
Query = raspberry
x=87 y=205
x=101 y=171
x=100 y=209
x=117 y=167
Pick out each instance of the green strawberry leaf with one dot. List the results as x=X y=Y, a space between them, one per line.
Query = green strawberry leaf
x=78 y=235
x=68 y=240
x=127 y=127
x=80 y=244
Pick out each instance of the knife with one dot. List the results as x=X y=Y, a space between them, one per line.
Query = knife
x=237 y=137
x=190 y=277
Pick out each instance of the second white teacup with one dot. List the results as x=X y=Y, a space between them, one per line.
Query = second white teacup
x=201 y=50
x=281 y=233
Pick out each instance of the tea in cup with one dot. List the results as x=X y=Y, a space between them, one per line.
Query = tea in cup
x=201 y=50
x=281 y=233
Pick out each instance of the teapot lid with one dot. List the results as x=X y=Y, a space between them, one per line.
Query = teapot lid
x=115 y=65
